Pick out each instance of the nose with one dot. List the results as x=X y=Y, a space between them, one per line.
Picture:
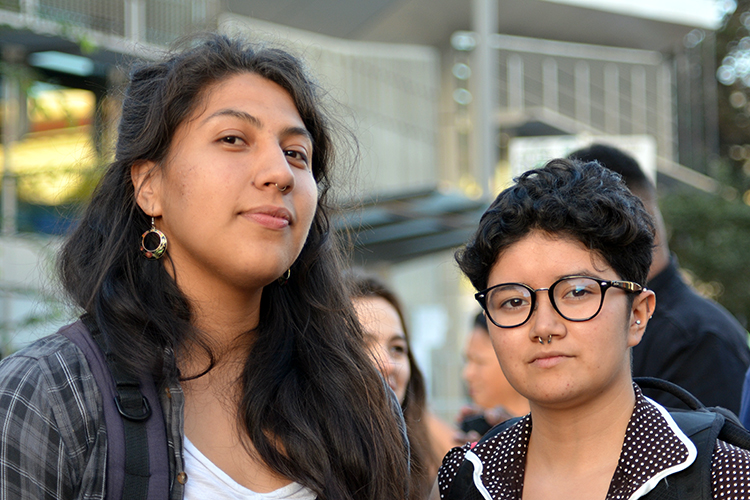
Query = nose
x=468 y=372
x=272 y=170
x=545 y=320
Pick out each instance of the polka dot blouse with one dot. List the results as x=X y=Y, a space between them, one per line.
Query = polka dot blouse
x=650 y=452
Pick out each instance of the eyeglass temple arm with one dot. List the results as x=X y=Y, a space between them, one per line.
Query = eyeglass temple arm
x=629 y=286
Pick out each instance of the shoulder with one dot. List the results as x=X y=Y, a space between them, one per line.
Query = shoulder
x=730 y=471
x=683 y=307
x=52 y=433
x=441 y=434
x=51 y=360
x=451 y=463
x=494 y=460
x=49 y=384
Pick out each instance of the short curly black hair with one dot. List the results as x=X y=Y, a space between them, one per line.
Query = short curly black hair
x=583 y=201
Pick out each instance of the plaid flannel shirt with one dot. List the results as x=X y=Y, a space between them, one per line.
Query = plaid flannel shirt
x=53 y=439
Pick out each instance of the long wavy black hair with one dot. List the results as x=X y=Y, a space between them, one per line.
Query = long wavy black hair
x=424 y=461
x=313 y=405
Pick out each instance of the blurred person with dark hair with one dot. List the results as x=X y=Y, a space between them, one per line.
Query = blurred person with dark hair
x=382 y=317
x=493 y=399
x=691 y=340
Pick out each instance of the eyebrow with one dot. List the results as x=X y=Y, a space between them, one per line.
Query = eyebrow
x=255 y=121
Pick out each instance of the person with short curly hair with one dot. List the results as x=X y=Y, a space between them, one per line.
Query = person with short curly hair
x=559 y=261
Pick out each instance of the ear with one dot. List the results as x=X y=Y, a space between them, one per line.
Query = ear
x=146 y=177
x=644 y=305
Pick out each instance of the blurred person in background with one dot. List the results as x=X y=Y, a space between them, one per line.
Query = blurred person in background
x=691 y=340
x=493 y=399
x=382 y=318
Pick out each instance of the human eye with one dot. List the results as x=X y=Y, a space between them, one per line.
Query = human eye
x=399 y=348
x=298 y=158
x=232 y=140
x=578 y=289
x=510 y=298
x=513 y=303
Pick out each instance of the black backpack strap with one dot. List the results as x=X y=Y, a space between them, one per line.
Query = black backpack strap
x=462 y=487
x=733 y=432
x=675 y=390
x=135 y=470
x=135 y=411
x=693 y=483
x=703 y=426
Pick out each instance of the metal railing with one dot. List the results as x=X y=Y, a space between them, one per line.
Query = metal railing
x=156 y=22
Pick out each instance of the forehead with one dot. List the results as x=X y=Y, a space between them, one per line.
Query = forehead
x=377 y=315
x=241 y=90
x=479 y=341
x=546 y=256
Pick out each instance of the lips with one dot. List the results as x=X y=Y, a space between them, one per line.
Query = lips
x=549 y=359
x=270 y=216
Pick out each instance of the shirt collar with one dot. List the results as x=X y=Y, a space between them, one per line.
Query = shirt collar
x=654 y=447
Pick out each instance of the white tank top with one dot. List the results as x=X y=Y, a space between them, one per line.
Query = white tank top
x=205 y=480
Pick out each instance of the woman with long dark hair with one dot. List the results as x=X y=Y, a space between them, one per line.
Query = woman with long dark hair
x=382 y=317
x=205 y=260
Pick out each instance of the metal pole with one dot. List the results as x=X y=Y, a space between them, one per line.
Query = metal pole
x=10 y=122
x=484 y=69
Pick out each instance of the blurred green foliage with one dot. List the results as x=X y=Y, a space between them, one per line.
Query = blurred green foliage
x=711 y=237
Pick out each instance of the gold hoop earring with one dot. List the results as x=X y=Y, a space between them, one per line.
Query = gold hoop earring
x=284 y=279
x=157 y=252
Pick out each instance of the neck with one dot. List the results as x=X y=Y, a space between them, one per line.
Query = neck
x=222 y=314
x=516 y=405
x=661 y=254
x=575 y=438
x=661 y=260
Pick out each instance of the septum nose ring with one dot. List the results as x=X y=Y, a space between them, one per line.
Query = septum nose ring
x=281 y=189
x=541 y=340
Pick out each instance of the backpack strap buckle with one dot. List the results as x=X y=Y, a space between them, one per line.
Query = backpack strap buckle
x=132 y=404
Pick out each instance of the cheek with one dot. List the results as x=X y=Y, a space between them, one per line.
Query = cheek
x=308 y=191
x=377 y=356
x=508 y=358
x=306 y=207
x=405 y=371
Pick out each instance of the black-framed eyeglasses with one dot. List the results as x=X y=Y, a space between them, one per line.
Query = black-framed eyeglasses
x=575 y=298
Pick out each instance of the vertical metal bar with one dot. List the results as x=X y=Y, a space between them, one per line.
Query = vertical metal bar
x=710 y=101
x=516 y=89
x=638 y=100
x=664 y=141
x=583 y=93
x=135 y=20
x=549 y=83
x=9 y=136
x=11 y=106
x=484 y=105
x=612 y=99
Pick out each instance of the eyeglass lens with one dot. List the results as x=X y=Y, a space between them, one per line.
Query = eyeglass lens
x=576 y=299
